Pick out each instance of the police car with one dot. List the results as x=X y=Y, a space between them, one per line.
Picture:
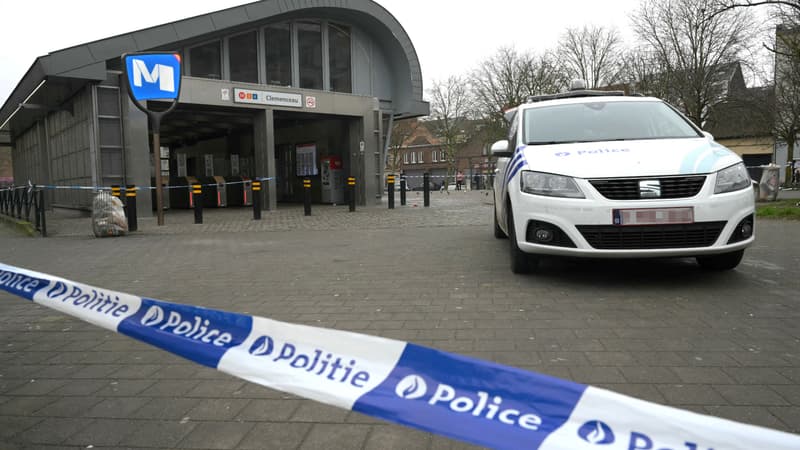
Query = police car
x=603 y=175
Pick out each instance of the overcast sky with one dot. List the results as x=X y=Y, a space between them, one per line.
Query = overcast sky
x=450 y=36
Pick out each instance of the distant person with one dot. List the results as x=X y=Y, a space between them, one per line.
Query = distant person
x=459 y=180
x=796 y=172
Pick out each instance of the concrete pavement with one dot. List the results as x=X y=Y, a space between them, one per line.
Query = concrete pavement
x=724 y=344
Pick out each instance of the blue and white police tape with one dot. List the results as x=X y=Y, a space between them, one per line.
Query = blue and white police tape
x=138 y=188
x=457 y=396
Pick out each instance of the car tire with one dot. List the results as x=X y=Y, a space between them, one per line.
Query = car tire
x=498 y=232
x=724 y=261
x=521 y=262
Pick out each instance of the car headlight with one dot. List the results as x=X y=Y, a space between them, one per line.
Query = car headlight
x=734 y=178
x=548 y=184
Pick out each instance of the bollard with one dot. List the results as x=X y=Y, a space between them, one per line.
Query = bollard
x=197 y=195
x=130 y=207
x=256 y=200
x=403 y=190
x=42 y=220
x=390 y=190
x=351 y=185
x=307 y=196
x=426 y=188
x=116 y=191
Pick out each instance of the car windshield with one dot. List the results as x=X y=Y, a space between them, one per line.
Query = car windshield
x=604 y=121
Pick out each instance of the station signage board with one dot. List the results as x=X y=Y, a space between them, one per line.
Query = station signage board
x=267 y=98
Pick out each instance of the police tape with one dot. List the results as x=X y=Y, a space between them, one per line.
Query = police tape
x=476 y=401
x=137 y=188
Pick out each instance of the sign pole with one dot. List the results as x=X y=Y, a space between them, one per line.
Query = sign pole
x=154 y=76
x=157 y=166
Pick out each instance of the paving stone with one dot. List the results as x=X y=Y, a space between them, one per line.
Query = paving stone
x=753 y=415
x=278 y=436
x=54 y=431
x=102 y=432
x=216 y=435
x=9 y=426
x=24 y=406
x=116 y=408
x=314 y=412
x=395 y=437
x=268 y=410
x=166 y=408
x=690 y=394
x=756 y=375
x=159 y=433
x=68 y=407
x=326 y=436
x=702 y=375
x=217 y=409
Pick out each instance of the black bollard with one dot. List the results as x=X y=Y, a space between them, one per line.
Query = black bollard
x=307 y=196
x=197 y=198
x=116 y=191
x=130 y=207
x=426 y=188
x=351 y=185
x=256 y=200
x=42 y=219
x=403 y=190
x=390 y=190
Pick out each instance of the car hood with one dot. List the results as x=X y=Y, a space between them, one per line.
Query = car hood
x=660 y=157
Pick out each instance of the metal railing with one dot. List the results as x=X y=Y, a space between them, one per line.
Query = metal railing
x=19 y=201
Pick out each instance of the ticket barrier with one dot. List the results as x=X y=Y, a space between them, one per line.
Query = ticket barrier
x=239 y=191
x=180 y=194
x=214 y=192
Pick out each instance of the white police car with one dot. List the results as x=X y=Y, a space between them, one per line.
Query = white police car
x=600 y=174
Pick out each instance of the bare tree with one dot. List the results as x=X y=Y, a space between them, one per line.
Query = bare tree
x=507 y=79
x=452 y=108
x=784 y=12
x=787 y=97
x=592 y=53
x=645 y=73
x=401 y=132
x=695 y=46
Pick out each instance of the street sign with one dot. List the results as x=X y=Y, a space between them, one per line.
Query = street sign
x=153 y=76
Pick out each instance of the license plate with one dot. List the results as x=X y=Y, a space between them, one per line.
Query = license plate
x=653 y=216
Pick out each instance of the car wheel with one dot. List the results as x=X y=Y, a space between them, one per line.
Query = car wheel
x=724 y=261
x=521 y=262
x=498 y=232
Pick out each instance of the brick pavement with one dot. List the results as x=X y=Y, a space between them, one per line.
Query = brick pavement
x=722 y=344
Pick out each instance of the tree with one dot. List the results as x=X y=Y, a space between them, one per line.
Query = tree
x=592 y=54
x=643 y=70
x=452 y=107
x=401 y=131
x=787 y=103
x=784 y=12
x=695 y=47
x=507 y=79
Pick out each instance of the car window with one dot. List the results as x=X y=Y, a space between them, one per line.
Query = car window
x=604 y=121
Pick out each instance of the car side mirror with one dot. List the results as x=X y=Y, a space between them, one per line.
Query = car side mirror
x=500 y=149
x=708 y=135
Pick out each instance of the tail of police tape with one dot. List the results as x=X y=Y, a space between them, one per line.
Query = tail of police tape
x=456 y=396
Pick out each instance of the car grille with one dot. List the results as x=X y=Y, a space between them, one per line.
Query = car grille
x=628 y=188
x=642 y=237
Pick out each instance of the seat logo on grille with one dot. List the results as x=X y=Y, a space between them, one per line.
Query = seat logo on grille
x=649 y=189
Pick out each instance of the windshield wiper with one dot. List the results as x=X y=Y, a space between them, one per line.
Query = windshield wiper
x=553 y=142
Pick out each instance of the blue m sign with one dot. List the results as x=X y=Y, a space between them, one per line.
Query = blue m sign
x=154 y=76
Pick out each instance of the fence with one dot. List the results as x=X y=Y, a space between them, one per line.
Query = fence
x=18 y=201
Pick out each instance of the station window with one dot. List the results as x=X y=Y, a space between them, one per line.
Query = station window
x=405 y=158
x=204 y=61
x=309 y=43
x=419 y=158
x=433 y=156
x=339 y=51
x=413 y=158
x=243 y=51
x=278 y=45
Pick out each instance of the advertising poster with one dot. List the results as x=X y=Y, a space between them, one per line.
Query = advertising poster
x=307 y=160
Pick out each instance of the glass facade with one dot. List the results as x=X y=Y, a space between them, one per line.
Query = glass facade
x=243 y=57
x=205 y=60
x=339 y=51
x=278 y=54
x=293 y=55
x=309 y=49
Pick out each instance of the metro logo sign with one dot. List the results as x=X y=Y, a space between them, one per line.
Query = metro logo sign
x=155 y=76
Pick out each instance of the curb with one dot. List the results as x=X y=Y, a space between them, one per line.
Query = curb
x=20 y=226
